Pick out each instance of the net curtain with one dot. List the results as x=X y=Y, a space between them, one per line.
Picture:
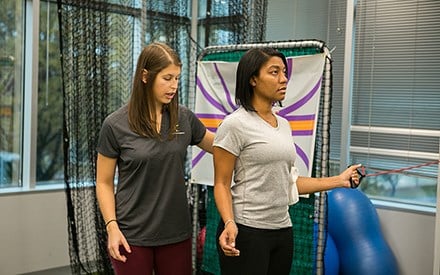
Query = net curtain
x=89 y=38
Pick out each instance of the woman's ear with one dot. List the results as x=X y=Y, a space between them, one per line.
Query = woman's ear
x=144 y=76
x=252 y=81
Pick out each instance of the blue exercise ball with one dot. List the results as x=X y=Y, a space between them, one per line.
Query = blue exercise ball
x=331 y=257
x=354 y=226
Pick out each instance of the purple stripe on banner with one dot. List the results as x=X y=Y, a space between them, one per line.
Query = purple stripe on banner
x=302 y=155
x=209 y=98
x=198 y=158
x=302 y=133
x=214 y=130
x=289 y=68
x=225 y=88
x=200 y=115
x=299 y=117
x=302 y=101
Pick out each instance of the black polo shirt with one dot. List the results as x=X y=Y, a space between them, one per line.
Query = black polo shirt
x=151 y=202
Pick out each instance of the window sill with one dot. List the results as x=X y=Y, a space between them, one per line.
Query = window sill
x=52 y=187
x=404 y=207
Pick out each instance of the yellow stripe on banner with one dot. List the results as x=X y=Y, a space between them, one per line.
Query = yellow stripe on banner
x=302 y=125
x=211 y=122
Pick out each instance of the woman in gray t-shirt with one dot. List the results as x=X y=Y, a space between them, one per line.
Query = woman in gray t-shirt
x=253 y=148
x=147 y=219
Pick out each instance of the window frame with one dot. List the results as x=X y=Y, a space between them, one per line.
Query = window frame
x=347 y=94
x=30 y=94
x=27 y=178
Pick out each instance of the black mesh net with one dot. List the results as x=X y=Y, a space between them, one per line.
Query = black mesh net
x=97 y=60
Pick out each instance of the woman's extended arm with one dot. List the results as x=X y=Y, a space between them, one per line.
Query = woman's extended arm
x=307 y=185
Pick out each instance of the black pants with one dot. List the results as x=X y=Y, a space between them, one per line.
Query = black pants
x=262 y=252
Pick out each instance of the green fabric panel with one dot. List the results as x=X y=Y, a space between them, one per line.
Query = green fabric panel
x=301 y=214
x=304 y=248
x=210 y=262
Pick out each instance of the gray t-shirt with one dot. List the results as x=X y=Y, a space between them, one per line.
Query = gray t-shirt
x=265 y=156
x=151 y=202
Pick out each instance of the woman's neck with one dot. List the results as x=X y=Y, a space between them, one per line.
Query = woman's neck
x=262 y=107
x=264 y=111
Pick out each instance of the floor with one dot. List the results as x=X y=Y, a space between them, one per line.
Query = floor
x=54 y=271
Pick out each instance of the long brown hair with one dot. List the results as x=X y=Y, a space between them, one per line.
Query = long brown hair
x=141 y=108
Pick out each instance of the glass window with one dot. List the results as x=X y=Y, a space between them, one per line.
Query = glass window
x=222 y=22
x=169 y=7
x=47 y=166
x=395 y=113
x=11 y=84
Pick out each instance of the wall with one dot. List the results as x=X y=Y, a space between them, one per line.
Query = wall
x=33 y=232
x=296 y=19
x=411 y=237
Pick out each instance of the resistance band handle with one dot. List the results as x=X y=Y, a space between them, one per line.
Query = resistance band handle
x=361 y=175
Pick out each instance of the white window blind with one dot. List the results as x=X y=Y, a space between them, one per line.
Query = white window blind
x=396 y=97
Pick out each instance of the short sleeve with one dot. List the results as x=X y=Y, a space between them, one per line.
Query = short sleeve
x=198 y=130
x=107 y=142
x=229 y=137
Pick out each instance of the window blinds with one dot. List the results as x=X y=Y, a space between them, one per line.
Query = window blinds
x=396 y=84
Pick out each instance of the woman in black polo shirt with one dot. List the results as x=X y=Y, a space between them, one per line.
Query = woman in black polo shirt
x=145 y=142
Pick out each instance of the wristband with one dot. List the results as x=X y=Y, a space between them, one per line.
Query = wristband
x=228 y=222
x=107 y=223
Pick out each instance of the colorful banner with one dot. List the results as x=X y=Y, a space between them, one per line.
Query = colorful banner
x=215 y=98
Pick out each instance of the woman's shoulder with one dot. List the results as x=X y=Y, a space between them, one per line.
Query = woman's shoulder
x=185 y=112
x=238 y=113
x=237 y=117
x=117 y=115
x=184 y=109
